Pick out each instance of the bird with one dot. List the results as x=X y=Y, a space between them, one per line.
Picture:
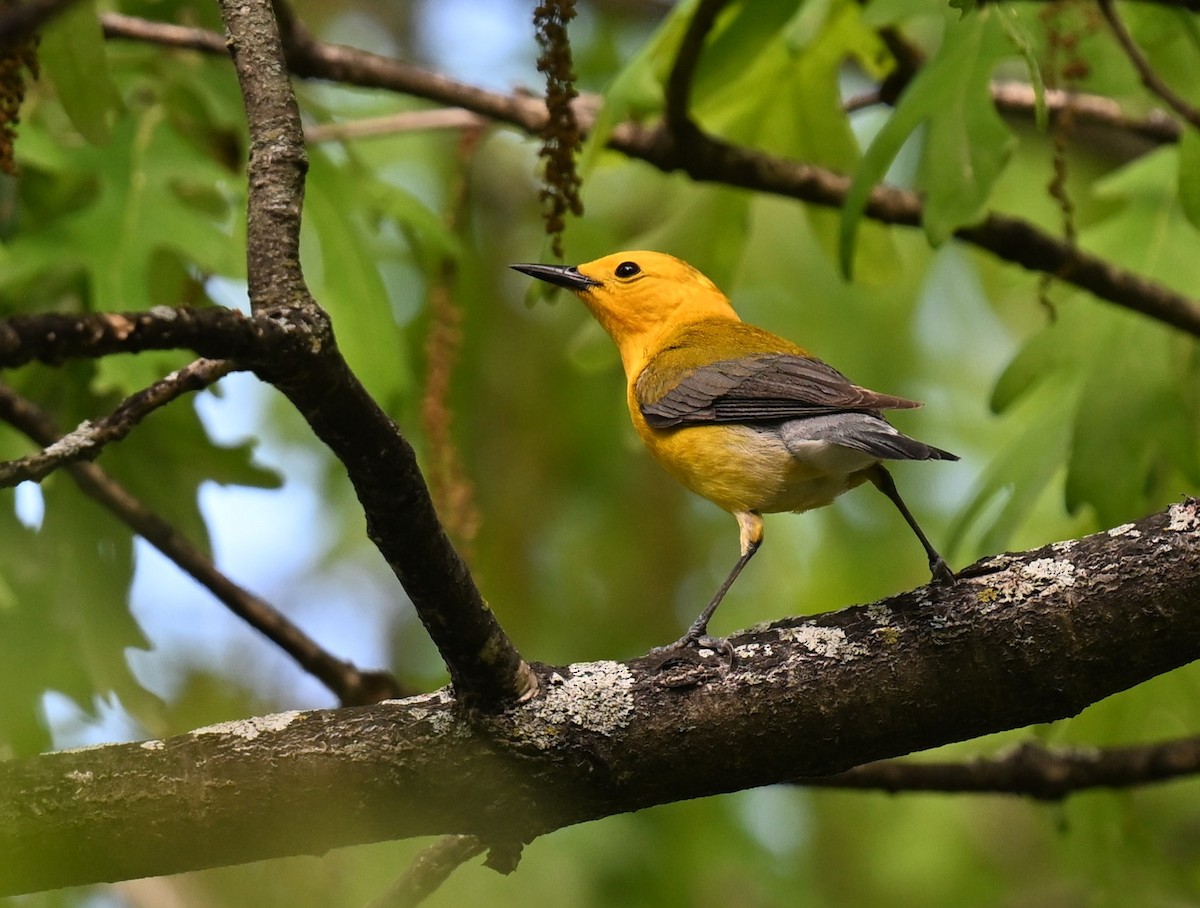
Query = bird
x=740 y=416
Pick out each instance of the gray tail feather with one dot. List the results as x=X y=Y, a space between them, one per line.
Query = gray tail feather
x=865 y=432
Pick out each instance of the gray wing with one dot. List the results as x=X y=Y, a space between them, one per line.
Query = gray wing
x=771 y=386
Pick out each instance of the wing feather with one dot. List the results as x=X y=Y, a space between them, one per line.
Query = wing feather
x=761 y=387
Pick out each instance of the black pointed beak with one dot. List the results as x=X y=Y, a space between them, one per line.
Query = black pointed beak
x=560 y=275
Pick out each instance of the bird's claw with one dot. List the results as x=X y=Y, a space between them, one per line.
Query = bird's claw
x=941 y=571
x=687 y=649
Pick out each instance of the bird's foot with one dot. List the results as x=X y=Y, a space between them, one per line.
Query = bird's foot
x=687 y=649
x=941 y=571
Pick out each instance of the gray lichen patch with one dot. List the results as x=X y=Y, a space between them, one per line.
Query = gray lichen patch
x=1125 y=529
x=593 y=696
x=249 y=729
x=1184 y=517
x=1020 y=582
x=828 y=642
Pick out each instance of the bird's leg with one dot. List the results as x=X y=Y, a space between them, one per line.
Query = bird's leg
x=884 y=482
x=751 y=524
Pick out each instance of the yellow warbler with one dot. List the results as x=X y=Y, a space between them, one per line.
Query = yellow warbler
x=745 y=418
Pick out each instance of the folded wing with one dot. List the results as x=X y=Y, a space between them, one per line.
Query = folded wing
x=761 y=387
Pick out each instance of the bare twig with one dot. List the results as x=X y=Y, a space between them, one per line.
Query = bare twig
x=1029 y=770
x=428 y=871
x=348 y=683
x=406 y=121
x=1141 y=63
x=1091 y=110
x=87 y=441
x=184 y=37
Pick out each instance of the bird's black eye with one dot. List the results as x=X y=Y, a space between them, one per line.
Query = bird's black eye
x=627 y=269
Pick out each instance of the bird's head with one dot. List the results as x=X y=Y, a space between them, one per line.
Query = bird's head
x=638 y=296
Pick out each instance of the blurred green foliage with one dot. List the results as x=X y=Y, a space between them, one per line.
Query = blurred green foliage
x=1071 y=415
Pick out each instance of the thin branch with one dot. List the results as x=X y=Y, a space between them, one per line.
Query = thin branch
x=87 y=441
x=1030 y=770
x=1092 y=110
x=406 y=121
x=428 y=871
x=677 y=102
x=1149 y=77
x=1019 y=99
x=351 y=685
x=184 y=37
x=1011 y=97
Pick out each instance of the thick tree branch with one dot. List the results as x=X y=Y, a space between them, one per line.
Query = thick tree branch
x=1031 y=770
x=1020 y=639
x=278 y=160
x=351 y=685
x=87 y=441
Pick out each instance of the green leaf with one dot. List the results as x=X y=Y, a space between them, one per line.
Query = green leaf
x=1146 y=230
x=1017 y=475
x=1018 y=33
x=68 y=624
x=72 y=54
x=345 y=277
x=138 y=209
x=967 y=143
x=1115 y=386
x=742 y=33
x=1132 y=429
x=1041 y=356
x=1189 y=175
x=637 y=91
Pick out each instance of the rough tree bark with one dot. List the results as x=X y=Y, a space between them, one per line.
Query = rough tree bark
x=1019 y=639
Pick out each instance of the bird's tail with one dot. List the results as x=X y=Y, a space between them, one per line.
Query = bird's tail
x=864 y=432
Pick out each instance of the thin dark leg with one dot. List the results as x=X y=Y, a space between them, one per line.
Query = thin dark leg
x=751 y=525
x=884 y=482
x=698 y=632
